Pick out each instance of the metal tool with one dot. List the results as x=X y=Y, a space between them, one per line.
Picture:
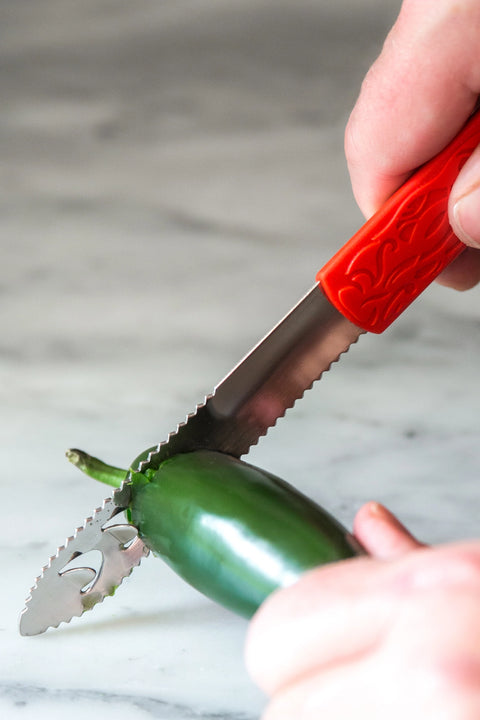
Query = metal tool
x=364 y=287
x=60 y=592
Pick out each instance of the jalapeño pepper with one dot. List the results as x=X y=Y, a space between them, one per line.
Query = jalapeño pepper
x=233 y=531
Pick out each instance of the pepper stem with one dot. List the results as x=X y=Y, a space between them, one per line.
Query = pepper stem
x=96 y=469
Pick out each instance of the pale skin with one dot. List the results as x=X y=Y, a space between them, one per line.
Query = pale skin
x=413 y=101
x=396 y=634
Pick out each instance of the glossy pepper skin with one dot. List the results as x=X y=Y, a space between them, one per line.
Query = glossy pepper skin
x=233 y=531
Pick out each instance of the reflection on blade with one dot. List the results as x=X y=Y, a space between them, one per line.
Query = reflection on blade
x=267 y=382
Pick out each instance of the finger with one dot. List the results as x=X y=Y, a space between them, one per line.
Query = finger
x=381 y=533
x=330 y=615
x=382 y=685
x=427 y=666
x=344 y=613
x=416 y=96
x=464 y=206
x=355 y=690
x=464 y=272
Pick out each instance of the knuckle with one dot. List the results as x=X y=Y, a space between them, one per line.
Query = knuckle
x=462 y=565
x=450 y=566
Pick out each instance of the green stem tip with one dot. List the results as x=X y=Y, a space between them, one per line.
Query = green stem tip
x=95 y=468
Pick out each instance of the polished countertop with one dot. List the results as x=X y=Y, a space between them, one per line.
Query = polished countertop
x=172 y=177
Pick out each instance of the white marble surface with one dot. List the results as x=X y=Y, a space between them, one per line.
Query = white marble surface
x=171 y=178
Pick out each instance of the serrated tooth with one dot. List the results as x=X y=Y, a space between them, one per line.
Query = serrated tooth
x=279 y=369
x=190 y=433
x=56 y=597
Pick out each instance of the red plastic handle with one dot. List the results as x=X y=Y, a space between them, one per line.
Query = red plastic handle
x=404 y=246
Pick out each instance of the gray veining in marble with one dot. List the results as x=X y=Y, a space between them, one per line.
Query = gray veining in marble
x=109 y=704
x=171 y=178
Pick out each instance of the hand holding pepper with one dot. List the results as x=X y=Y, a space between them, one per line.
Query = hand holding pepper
x=393 y=635
x=397 y=634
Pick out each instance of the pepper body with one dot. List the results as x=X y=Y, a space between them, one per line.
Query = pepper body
x=233 y=531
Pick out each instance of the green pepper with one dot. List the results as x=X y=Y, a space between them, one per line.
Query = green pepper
x=233 y=531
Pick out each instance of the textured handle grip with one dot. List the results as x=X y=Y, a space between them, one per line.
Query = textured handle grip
x=404 y=246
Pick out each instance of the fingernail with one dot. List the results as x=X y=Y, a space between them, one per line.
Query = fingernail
x=378 y=510
x=466 y=214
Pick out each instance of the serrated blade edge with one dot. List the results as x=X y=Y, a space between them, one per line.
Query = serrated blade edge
x=265 y=384
x=58 y=596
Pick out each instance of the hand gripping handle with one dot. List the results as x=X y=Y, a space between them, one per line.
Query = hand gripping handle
x=404 y=246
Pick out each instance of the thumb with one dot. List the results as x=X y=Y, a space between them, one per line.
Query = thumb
x=464 y=203
x=381 y=534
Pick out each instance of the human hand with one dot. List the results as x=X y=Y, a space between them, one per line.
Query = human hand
x=393 y=635
x=414 y=100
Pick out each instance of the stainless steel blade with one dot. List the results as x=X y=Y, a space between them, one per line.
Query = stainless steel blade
x=267 y=382
x=242 y=407
x=61 y=593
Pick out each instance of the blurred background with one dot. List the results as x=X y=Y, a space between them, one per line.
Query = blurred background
x=171 y=178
